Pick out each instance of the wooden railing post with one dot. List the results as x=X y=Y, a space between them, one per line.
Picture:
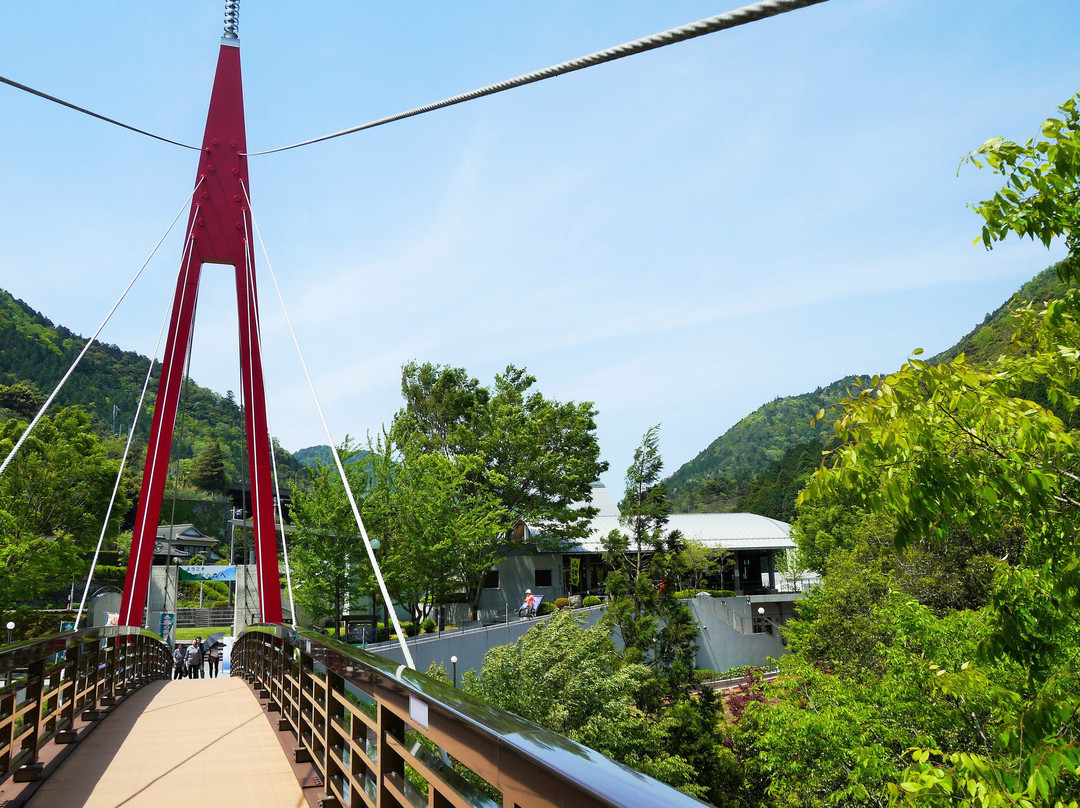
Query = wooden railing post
x=390 y=765
x=68 y=693
x=35 y=686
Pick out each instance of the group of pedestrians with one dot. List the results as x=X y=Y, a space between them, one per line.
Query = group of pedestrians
x=191 y=661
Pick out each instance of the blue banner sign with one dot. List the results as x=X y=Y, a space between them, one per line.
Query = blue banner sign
x=211 y=573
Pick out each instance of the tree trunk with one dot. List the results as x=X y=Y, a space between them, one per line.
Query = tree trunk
x=474 y=601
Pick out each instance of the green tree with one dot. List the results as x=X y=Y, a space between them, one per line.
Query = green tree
x=570 y=679
x=654 y=627
x=208 y=470
x=20 y=399
x=53 y=499
x=696 y=562
x=836 y=733
x=537 y=457
x=436 y=529
x=960 y=447
x=328 y=558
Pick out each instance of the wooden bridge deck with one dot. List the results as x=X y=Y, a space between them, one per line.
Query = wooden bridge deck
x=191 y=742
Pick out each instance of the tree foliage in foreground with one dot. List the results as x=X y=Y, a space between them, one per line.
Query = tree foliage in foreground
x=955 y=448
x=570 y=679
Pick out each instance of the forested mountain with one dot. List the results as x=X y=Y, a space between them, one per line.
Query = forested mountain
x=36 y=353
x=311 y=456
x=757 y=465
x=723 y=472
x=992 y=336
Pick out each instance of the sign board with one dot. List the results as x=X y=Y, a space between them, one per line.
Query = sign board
x=67 y=625
x=360 y=633
x=575 y=571
x=207 y=573
x=112 y=618
x=165 y=626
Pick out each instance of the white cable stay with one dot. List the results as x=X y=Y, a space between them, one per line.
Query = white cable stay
x=337 y=458
x=250 y=269
x=135 y=419
x=89 y=342
x=123 y=461
x=709 y=25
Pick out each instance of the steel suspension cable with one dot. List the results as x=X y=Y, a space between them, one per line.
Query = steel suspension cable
x=709 y=25
x=337 y=458
x=89 y=342
x=92 y=114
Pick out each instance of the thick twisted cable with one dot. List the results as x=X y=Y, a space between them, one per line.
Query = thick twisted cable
x=92 y=114
x=709 y=25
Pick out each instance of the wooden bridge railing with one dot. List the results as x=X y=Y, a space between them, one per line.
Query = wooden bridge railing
x=382 y=735
x=46 y=683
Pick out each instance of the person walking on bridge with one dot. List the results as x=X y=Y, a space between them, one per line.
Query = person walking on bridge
x=194 y=659
x=178 y=661
x=214 y=657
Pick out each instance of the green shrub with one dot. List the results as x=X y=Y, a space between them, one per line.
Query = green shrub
x=590 y=600
x=382 y=633
x=107 y=557
x=30 y=623
x=546 y=607
x=429 y=626
x=683 y=594
x=220 y=603
x=562 y=603
x=106 y=574
x=722 y=593
x=409 y=627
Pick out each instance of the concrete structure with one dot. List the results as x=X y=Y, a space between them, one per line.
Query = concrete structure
x=733 y=633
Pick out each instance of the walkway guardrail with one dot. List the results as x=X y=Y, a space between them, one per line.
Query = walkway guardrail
x=46 y=683
x=383 y=735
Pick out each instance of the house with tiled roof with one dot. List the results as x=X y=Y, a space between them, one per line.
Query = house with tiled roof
x=182 y=542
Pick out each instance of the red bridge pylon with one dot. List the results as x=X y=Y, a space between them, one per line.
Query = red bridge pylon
x=219 y=232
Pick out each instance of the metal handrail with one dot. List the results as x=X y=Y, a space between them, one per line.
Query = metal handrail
x=364 y=722
x=45 y=683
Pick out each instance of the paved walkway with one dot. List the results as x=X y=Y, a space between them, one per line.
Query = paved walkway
x=190 y=742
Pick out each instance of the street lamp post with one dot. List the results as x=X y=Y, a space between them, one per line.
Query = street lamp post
x=453 y=662
x=375 y=545
x=10 y=628
x=766 y=624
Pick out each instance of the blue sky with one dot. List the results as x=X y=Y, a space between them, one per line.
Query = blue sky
x=678 y=237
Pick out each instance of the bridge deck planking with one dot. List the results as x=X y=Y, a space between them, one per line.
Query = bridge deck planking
x=191 y=742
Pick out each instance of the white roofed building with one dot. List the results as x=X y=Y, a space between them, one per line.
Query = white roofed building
x=752 y=541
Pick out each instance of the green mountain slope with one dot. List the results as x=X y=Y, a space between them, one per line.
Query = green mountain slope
x=992 y=337
x=107 y=384
x=321 y=454
x=724 y=471
x=757 y=464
